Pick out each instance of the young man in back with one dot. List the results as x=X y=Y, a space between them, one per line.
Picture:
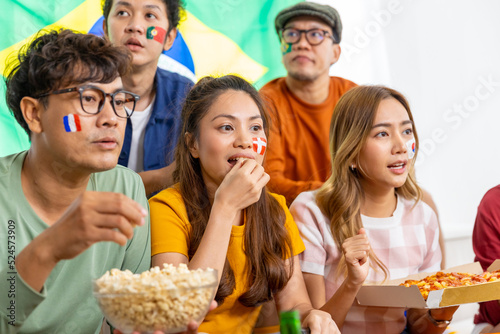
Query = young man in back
x=302 y=103
x=146 y=27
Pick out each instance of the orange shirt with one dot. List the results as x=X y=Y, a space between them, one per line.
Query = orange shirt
x=298 y=153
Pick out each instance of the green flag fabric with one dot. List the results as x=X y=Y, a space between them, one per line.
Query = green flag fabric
x=223 y=36
x=251 y=25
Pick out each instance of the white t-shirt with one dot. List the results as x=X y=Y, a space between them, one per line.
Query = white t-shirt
x=139 y=121
x=407 y=243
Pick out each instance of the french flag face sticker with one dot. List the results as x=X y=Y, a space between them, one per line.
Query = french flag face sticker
x=156 y=33
x=410 y=147
x=72 y=123
x=259 y=145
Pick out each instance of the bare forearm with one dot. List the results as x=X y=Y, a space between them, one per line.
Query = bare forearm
x=35 y=263
x=212 y=251
x=304 y=310
x=419 y=321
x=340 y=303
x=158 y=179
x=300 y=304
x=496 y=329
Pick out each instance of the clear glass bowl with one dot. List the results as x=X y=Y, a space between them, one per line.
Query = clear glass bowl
x=151 y=308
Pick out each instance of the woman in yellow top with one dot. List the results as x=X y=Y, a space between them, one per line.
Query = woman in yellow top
x=220 y=215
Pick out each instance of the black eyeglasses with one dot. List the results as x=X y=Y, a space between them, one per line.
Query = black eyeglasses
x=92 y=100
x=313 y=36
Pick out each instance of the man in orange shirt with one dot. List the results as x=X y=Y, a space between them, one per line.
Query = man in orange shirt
x=302 y=103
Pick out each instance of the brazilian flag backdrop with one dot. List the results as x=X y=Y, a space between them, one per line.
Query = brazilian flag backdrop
x=223 y=36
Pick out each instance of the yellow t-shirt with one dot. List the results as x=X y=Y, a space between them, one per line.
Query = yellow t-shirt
x=170 y=232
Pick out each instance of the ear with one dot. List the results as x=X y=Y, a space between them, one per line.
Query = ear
x=169 y=39
x=32 y=109
x=105 y=28
x=354 y=163
x=335 y=54
x=192 y=145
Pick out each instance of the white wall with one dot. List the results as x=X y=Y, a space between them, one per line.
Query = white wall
x=445 y=57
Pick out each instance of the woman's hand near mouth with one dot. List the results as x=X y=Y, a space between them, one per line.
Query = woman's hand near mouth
x=242 y=186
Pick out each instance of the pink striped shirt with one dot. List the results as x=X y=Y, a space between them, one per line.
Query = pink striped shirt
x=407 y=243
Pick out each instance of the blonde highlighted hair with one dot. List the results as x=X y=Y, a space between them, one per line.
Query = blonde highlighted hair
x=341 y=195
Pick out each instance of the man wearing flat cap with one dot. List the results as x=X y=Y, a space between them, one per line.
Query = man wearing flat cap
x=302 y=103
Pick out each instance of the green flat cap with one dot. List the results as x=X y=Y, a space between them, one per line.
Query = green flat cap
x=324 y=12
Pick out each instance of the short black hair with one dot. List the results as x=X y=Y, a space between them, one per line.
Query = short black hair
x=174 y=8
x=55 y=59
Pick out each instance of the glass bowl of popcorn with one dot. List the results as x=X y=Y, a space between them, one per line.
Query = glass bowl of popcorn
x=159 y=299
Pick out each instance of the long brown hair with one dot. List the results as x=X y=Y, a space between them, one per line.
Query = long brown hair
x=267 y=243
x=340 y=196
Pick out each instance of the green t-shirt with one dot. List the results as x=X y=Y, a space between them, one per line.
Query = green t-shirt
x=66 y=303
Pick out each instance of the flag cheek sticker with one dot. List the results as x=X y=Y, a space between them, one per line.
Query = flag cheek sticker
x=156 y=33
x=259 y=145
x=410 y=148
x=72 y=123
x=285 y=48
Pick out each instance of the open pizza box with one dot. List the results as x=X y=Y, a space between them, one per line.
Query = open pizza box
x=390 y=294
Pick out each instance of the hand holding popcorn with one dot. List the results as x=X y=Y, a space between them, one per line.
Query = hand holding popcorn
x=166 y=300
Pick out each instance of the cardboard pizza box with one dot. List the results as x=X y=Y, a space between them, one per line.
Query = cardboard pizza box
x=390 y=294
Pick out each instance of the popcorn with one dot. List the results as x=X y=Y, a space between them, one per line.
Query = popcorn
x=159 y=299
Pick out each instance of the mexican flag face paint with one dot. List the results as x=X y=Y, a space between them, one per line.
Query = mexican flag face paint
x=259 y=145
x=156 y=33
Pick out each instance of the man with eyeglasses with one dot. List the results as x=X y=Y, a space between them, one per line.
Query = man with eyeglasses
x=68 y=213
x=302 y=103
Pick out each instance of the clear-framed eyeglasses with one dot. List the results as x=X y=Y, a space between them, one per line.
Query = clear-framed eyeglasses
x=92 y=100
x=313 y=36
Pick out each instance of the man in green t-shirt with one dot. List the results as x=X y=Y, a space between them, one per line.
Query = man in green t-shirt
x=68 y=213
